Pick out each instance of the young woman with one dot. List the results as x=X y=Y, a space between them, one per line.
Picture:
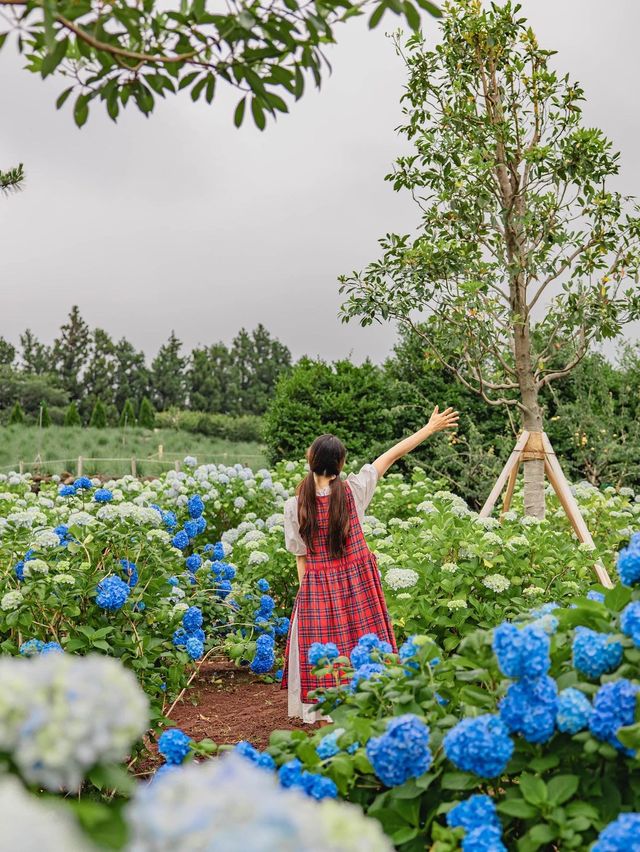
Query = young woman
x=340 y=596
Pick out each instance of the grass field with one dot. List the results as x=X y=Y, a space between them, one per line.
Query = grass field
x=63 y=445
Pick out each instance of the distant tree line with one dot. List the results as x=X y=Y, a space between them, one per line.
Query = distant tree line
x=87 y=377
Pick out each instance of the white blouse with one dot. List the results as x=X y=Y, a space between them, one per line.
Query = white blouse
x=362 y=485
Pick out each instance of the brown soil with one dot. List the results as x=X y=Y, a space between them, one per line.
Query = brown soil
x=227 y=704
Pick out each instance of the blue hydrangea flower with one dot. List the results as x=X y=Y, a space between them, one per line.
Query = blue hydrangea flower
x=263 y=585
x=62 y=531
x=112 y=593
x=317 y=786
x=18 y=570
x=264 y=626
x=192 y=619
x=264 y=658
x=328 y=745
x=180 y=540
x=401 y=752
x=174 y=745
x=473 y=812
x=480 y=745
x=191 y=528
x=228 y=571
x=250 y=752
x=173 y=581
x=193 y=562
x=282 y=626
x=52 y=648
x=31 y=647
x=620 y=835
x=365 y=672
x=629 y=562
x=195 y=506
x=614 y=707
x=595 y=596
x=484 y=838
x=218 y=551
x=102 y=495
x=194 y=647
x=66 y=491
x=322 y=651
x=201 y=525
x=267 y=605
x=180 y=637
x=278 y=675
x=574 y=711
x=130 y=571
x=630 y=622
x=595 y=654
x=170 y=520
x=82 y=483
x=289 y=773
x=521 y=653
x=223 y=588
x=529 y=708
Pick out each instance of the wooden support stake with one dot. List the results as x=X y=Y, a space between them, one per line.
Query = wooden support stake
x=560 y=485
x=21 y=467
x=79 y=468
x=512 y=461
x=511 y=484
x=160 y=451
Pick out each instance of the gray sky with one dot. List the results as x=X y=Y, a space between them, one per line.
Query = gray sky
x=181 y=221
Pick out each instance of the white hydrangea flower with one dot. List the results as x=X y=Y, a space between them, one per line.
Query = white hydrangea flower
x=517 y=541
x=496 y=582
x=404 y=596
x=510 y=516
x=401 y=578
x=11 y=600
x=532 y=591
x=586 y=547
x=45 y=502
x=32 y=824
x=64 y=579
x=35 y=566
x=457 y=604
x=45 y=539
x=230 y=804
x=60 y=715
x=487 y=523
x=239 y=503
x=492 y=539
x=258 y=557
x=626 y=492
x=530 y=521
x=190 y=461
x=180 y=608
x=28 y=518
x=450 y=567
x=159 y=535
x=82 y=519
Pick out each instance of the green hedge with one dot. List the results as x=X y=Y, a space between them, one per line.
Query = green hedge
x=247 y=427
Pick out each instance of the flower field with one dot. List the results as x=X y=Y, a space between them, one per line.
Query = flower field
x=507 y=720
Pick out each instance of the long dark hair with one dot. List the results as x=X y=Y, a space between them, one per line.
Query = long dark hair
x=326 y=458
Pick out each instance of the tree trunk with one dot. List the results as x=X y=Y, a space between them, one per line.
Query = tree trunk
x=534 y=503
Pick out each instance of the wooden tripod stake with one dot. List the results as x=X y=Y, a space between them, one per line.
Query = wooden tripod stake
x=536 y=445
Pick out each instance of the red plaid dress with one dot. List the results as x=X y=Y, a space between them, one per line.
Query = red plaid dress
x=339 y=599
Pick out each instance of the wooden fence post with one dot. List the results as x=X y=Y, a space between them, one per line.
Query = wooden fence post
x=160 y=451
x=21 y=467
x=79 y=469
x=134 y=466
x=177 y=466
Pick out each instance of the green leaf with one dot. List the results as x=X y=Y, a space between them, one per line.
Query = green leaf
x=561 y=788
x=517 y=808
x=54 y=58
x=617 y=598
x=376 y=17
x=258 y=114
x=533 y=789
x=542 y=833
x=411 y=14
x=238 y=115
x=458 y=781
x=430 y=7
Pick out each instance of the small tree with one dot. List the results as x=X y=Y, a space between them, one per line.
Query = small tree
x=128 y=414
x=98 y=415
x=17 y=414
x=147 y=414
x=515 y=205
x=72 y=415
x=44 y=418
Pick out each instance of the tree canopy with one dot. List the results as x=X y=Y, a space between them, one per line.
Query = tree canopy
x=133 y=52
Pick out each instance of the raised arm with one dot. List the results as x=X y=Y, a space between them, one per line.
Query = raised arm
x=437 y=422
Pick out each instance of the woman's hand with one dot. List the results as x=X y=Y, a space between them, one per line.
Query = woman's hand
x=443 y=420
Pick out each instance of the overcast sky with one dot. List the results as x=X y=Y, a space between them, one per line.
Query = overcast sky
x=181 y=221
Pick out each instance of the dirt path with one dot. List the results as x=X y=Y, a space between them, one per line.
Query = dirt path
x=228 y=704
